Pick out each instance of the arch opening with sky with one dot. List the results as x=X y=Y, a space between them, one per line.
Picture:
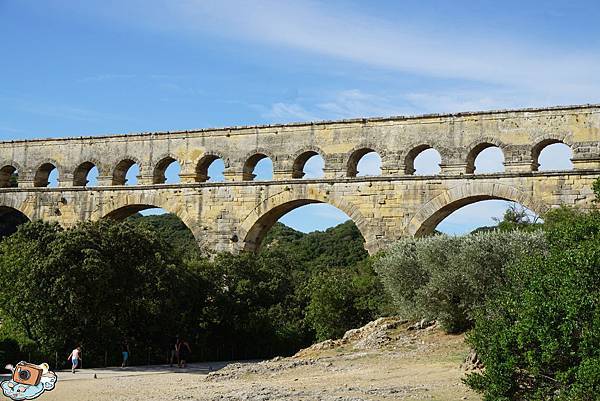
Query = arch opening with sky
x=322 y=216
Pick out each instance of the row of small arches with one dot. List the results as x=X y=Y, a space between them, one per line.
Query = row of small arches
x=422 y=160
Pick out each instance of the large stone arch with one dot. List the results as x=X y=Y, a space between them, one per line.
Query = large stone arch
x=121 y=206
x=10 y=219
x=259 y=220
x=441 y=206
x=23 y=205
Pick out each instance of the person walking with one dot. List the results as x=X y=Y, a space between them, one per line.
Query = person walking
x=75 y=357
x=125 y=353
x=174 y=351
x=184 y=351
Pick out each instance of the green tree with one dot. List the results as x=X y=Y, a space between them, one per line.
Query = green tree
x=331 y=310
x=539 y=337
x=254 y=302
x=343 y=298
x=172 y=230
x=516 y=217
x=95 y=284
x=339 y=246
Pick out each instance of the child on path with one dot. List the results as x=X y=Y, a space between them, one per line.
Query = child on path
x=75 y=357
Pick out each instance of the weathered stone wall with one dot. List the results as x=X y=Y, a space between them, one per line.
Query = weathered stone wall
x=231 y=217
x=234 y=215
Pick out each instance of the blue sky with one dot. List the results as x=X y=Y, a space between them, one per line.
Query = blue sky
x=97 y=67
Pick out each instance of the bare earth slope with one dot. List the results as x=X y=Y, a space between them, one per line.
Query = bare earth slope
x=384 y=360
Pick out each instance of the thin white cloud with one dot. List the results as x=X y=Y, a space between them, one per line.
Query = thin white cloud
x=11 y=130
x=287 y=112
x=554 y=72
x=64 y=111
x=354 y=102
x=106 y=77
x=440 y=101
x=402 y=45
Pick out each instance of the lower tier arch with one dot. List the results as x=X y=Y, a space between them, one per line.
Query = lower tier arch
x=437 y=209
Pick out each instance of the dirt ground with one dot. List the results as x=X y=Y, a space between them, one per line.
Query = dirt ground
x=386 y=361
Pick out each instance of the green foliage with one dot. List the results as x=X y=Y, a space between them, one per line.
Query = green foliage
x=448 y=277
x=331 y=303
x=172 y=230
x=515 y=217
x=343 y=298
x=146 y=281
x=254 y=301
x=539 y=337
x=596 y=189
x=13 y=181
x=343 y=291
x=94 y=284
x=339 y=246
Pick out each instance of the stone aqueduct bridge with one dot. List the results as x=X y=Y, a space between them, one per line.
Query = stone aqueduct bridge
x=234 y=215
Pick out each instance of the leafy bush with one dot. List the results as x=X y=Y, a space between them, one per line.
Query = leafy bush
x=539 y=337
x=448 y=277
x=344 y=298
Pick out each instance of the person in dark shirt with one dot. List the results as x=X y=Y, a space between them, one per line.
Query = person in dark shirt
x=184 y=351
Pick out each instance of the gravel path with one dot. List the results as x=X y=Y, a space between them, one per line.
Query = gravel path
x=409 y=365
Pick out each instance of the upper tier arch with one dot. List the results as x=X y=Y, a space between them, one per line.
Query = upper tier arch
x=519 y=133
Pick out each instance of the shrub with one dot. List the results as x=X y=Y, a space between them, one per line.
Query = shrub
x=447 y=277
x=344 y=298
x=539 y=337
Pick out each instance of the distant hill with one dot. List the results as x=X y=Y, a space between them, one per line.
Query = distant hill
x=342 y=245
x=484 y=229
x=173 y=230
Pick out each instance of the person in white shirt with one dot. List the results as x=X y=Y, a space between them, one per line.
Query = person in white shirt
x=75 y=357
